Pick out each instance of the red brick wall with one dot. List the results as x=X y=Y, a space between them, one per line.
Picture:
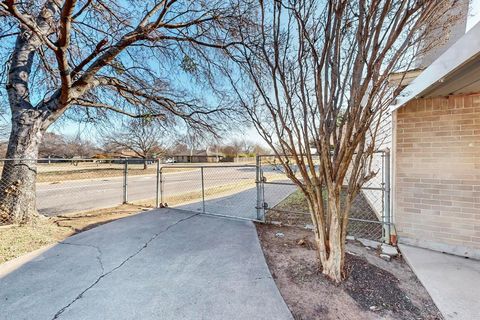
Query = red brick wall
x=437 y=174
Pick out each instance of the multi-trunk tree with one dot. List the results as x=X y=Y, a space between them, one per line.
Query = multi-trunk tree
x=315 y=84
x=97 y=57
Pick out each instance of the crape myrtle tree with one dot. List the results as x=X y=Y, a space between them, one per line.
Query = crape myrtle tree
x=145 y=137
x=314 y=80
x=96 y=58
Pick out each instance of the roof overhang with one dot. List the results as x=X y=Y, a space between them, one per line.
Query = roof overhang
x=403 y=79
x=456 y=71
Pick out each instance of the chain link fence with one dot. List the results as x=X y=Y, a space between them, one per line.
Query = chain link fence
x=370 y=214
x=260 y=191
x=65 y=186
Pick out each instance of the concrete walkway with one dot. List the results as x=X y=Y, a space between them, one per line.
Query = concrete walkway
x=452 y=282
x=242 y=204
x=162 y=264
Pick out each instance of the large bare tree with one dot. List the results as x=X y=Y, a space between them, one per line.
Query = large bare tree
x=144 y=137
x=97 y=57
x=55 y=145
x=316 y=87
x=52 y=145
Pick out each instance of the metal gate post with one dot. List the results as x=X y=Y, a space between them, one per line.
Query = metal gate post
x=203 y=190
x=125 y=182
x=162 y=191
x=157 y=190
x=386 y=199
x=258 y=181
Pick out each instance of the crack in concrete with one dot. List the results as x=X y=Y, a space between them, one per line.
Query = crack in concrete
x=103 y=275
x=99 y=256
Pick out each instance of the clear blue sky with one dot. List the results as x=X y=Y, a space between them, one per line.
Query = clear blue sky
x=88 y=131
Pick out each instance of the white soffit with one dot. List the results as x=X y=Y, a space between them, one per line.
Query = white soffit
x=457 y=70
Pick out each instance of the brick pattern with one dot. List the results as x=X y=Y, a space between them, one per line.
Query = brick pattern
x=437 y=172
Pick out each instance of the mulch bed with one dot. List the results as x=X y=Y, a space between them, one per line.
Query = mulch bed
x=374 y=288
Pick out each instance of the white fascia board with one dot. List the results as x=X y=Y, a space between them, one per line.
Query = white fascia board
x=466 y=48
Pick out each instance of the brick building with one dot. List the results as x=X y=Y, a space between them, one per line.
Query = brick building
x=436 y=153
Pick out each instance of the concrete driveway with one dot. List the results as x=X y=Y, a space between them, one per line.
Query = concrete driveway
x=242 y=204
x=161 y=264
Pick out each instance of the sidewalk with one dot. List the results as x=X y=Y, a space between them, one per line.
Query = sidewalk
x=453 y=282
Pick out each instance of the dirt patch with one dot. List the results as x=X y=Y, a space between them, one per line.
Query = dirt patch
x=18 y=240
x=374 y=289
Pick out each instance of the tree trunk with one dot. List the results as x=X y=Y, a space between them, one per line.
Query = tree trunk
x=17 y=184
x=145 y=164
x=333 y=266
x=330 y=245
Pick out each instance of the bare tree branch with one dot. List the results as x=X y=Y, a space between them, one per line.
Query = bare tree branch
x=315 y=84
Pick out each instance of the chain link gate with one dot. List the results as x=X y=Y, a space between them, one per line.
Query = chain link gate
x=263 y=192
x=222 y=190
x=370 y=213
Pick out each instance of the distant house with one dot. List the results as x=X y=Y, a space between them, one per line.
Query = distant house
x=119 y=154
x=436 y=153
x=122 y=155
x=198 y=156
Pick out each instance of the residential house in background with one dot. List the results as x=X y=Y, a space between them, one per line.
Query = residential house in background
x=198 y=156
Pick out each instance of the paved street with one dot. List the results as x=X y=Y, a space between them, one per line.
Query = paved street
x=162 y=264
x=78 y=195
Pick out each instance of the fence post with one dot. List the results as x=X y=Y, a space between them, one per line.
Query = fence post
x=162 y=191
x=157 y=190
x=386 y=199
x=125 y=182
x=203 y=190
x=258 y=181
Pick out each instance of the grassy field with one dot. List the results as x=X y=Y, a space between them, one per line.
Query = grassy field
x=58 y=172
x=292 y=211
x=83 y=172
x=68 y=170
